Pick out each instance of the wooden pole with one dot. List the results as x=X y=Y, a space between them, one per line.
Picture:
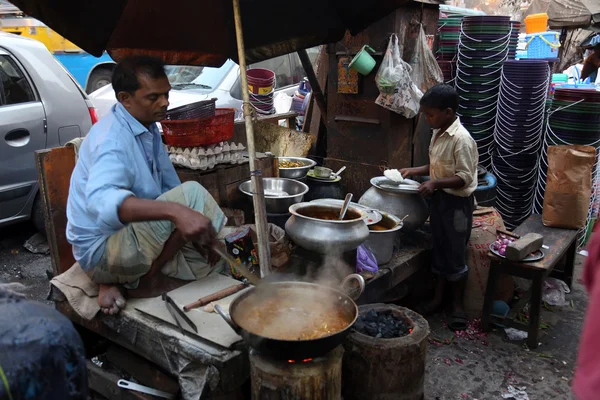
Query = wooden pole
x=314 y=84
x=258 y=197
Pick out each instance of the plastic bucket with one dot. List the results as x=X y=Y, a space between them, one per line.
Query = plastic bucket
x=260 y=81
x=535 y=23
x=362 y=61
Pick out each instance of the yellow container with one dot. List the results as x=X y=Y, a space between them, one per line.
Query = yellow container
x=535 y=23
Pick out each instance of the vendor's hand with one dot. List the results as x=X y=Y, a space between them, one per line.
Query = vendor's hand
x=406 y=172
x=194 y=226
x=426 y=189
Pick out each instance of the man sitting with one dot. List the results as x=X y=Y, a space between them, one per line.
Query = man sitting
x=135 y=229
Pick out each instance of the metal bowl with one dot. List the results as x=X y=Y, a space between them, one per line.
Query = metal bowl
x=296 y=172
x=278 y=204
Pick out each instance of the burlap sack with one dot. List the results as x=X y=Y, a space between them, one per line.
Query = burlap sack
x=568 y=186
x=485 y=223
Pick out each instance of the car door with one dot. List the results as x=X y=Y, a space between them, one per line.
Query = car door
x=22 y=131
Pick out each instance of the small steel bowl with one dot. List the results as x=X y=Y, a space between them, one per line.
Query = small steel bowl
x=278 y=204
x=296 y=172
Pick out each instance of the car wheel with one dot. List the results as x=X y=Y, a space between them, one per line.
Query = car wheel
x=99 y=78
x=37 y=215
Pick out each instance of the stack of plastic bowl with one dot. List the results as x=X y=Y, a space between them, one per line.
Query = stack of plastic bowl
x=483 y=47
x=448 y=35
x=514 y=39
x=518 y=137
x=261 y=84
x=573 y=119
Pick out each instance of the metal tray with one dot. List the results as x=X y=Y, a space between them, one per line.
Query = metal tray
x=385 y=184
x=536 y=256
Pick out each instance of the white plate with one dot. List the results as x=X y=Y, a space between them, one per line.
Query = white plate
x=373 y=216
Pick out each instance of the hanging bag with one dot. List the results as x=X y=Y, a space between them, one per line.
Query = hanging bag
x=391 y=69
x=426 y=72
x=406 y=95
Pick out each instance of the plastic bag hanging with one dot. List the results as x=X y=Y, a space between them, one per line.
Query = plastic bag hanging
x=426 y=72
x=406 y=95
x=391 y=69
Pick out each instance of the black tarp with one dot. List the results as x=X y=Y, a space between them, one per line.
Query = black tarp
x=202 y=32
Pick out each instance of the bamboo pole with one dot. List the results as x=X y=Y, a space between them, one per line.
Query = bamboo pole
x=258 y=197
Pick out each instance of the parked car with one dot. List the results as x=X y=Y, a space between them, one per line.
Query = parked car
x=191 y=84
x=41 y=106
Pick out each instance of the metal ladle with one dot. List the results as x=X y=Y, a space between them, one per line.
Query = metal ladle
x=345 y=206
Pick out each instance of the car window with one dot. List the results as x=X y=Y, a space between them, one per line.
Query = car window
x=200 y=78
x=14 y=87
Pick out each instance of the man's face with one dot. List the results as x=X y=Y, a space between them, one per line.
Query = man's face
x=437 y=118
x=149 y=103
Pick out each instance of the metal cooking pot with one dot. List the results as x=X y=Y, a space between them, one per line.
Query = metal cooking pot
x=326 y=236
x=398 y=202
x=278 y=204
x=381 y=243
x=296 y=172
x=246 y=304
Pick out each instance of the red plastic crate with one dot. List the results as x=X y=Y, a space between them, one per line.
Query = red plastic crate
x=201 y=131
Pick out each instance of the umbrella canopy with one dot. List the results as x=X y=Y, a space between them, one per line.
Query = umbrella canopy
x=202 y=32
x=568 y=13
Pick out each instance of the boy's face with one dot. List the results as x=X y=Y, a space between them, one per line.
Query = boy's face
x=438 y=118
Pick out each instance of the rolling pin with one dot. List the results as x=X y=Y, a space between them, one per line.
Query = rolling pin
x=221 y=294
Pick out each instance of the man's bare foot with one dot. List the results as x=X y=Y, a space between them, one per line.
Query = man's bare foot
x=110 y=299
x=155 y=285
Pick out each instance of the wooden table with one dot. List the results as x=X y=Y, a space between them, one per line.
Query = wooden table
x=562 y=245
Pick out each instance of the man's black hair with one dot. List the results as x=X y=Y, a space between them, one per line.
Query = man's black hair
x=125 y=74
x=441 y=97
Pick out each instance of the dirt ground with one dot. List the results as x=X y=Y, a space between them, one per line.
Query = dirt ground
x=464 y=369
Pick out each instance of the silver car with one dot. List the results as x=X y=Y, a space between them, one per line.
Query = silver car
x=41 y=107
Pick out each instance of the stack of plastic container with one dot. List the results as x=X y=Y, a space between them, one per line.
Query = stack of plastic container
x=483 y=47
x=518 y=136
x=448 y=35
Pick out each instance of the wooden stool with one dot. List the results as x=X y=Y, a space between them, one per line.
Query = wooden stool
x=562 y=245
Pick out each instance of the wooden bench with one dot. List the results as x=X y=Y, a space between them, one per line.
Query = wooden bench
x=161 y=344
x=562 y=245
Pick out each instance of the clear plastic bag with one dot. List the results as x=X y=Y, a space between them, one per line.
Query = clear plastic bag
x=426 y=72
x=405 y=97
x=391 y=69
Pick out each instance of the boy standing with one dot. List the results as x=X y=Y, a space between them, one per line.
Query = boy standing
x=452 y=168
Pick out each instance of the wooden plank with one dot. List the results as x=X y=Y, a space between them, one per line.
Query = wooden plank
x=168 y=348
x=105 y=383
x=55 y=167
x=145 y=373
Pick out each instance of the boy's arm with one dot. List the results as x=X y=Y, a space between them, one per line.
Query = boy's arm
x=415 y=171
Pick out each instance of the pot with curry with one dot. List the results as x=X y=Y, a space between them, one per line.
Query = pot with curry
x=293 y=320
x=315 y=227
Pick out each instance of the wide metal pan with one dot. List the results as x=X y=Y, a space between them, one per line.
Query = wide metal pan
x=244 y=305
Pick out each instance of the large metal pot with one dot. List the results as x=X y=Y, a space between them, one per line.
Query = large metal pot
x=278 y=204
x=295 y=304
x=381 y=242
x=399 y=202
x=309 y=230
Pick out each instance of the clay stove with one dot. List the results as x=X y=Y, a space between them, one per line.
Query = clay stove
x=310 y=379
x=395 y=365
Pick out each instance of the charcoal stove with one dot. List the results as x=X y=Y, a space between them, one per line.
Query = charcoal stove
x=309 y=379
x=378 y=358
